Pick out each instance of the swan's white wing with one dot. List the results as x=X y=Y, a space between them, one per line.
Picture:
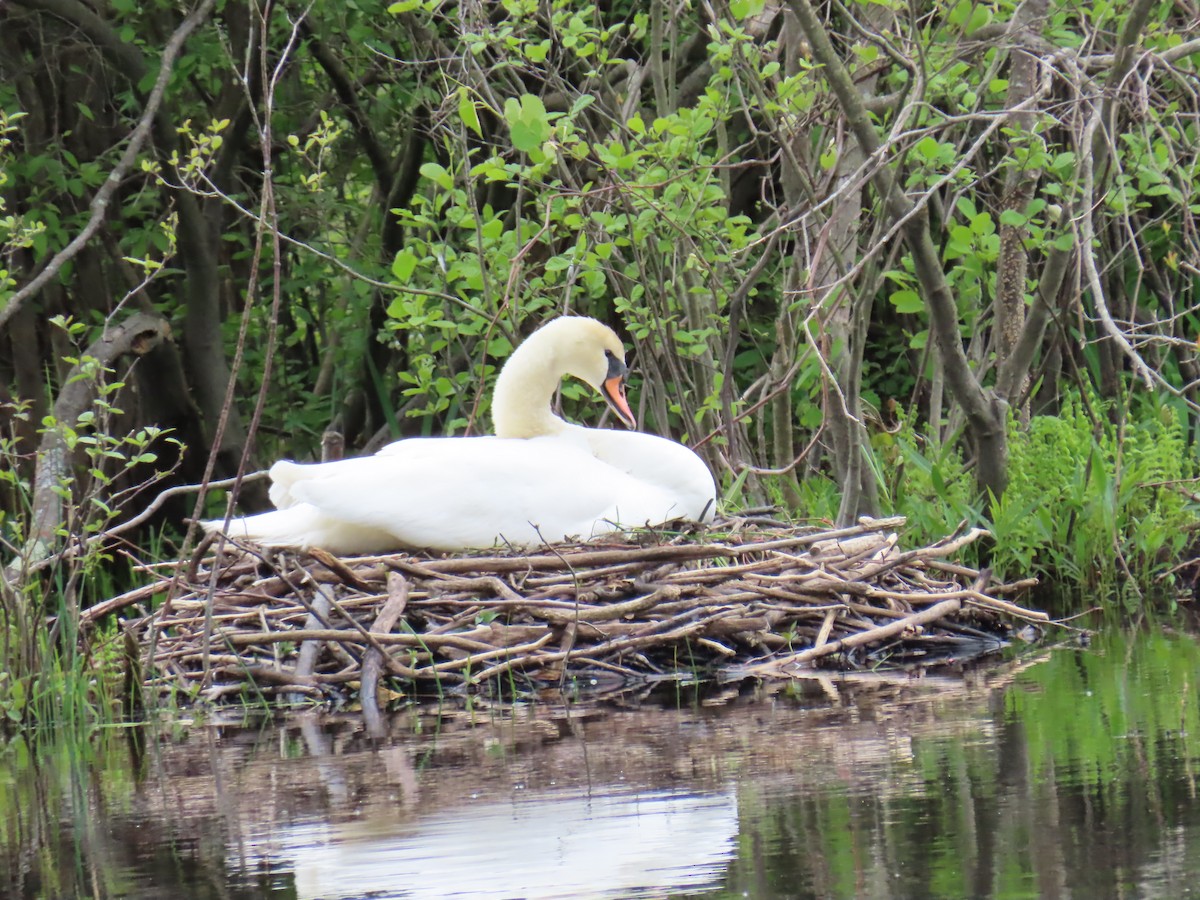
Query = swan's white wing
x=285 y=474
x=458 y=493
x=475 y=492
x=301 y=526
x=670 y=467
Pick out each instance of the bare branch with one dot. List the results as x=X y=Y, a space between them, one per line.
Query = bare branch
x=99 y=204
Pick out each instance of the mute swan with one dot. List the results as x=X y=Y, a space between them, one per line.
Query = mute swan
x=538 y=480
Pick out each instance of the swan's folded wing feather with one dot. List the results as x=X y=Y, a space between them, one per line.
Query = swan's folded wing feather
x=302 y=526
x=470 y=493
x=286 y=475
x=681 y=476
x=456 y=493
x=283 y=475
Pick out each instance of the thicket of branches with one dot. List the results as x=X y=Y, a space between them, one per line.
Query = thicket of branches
x=816 y=223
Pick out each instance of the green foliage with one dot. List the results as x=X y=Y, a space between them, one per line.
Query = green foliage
x=1088 y=502
x=56 y=564
x=51 y=682
x=650 y=237
x=16 y=231
x=925 y=481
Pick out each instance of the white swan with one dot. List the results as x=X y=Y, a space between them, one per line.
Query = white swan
x=538 y=480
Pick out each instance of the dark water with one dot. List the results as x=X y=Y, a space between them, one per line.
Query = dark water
x=1072 y=773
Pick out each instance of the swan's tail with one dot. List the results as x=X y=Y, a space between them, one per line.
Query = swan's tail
x=303 y=526
x=284 y=474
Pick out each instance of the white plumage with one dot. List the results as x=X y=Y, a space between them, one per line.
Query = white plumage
x=539 y=479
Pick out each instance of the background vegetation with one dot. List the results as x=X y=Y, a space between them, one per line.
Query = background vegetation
x=936 y=257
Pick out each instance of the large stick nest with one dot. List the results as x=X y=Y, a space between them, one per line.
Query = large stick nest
x=762 y=601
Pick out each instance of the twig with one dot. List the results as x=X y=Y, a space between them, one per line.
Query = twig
x=879 y=633
x=392 y=610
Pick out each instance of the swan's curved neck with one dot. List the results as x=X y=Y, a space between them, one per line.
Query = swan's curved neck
x=521 y=399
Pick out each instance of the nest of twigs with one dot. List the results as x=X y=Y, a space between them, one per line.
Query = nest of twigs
x=761 y=601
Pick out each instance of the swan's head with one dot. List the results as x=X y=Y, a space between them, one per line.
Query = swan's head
x=592 y=352
x=568 y=345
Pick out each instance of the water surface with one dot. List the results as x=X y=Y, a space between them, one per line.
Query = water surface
x=1071 y=773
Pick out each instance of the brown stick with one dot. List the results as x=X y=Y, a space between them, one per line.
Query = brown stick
x=89 y=616
x=880 y=633
x=392 y=610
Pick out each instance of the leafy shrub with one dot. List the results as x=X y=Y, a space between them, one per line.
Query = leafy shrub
x=1088 y=504
x=1089 y=501
x=926 y=481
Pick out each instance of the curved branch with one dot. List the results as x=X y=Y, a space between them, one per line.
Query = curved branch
x=1093 y=158
x=1086 y=236
x=99 y=205
x=138 y=334
x=346 y=93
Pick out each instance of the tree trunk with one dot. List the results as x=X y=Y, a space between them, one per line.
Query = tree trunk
x=846 y=316
x=1012 y=266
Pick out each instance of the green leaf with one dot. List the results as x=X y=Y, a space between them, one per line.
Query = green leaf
x=1064 y=242
x=1012 y=218
x=404 y=265
x=401 y=308
x=982 y=224
x=527 y=121
x=741 y=9
x=438 y=175
x=927 y=147
x=980 y=16
x=467 y=111
x=959 y=242
x=907 y=301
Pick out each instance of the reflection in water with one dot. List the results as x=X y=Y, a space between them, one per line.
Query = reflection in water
x=552 y=845
x=1071 y=777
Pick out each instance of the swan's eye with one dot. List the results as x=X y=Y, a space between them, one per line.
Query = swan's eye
x=608 y=354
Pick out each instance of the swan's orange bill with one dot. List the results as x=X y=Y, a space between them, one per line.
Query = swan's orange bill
x=614 y=394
